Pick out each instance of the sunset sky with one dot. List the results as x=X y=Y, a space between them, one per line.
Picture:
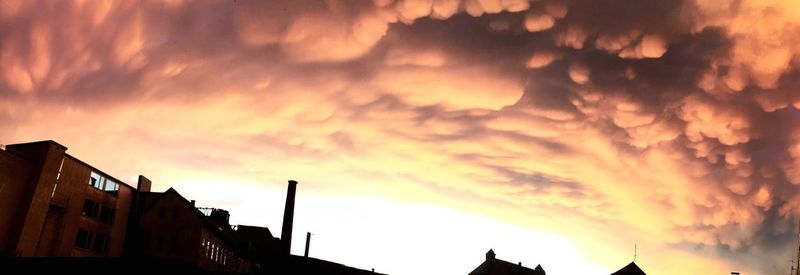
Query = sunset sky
x=425 y=132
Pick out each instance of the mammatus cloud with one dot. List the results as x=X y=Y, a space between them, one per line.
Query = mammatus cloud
x=609 y=113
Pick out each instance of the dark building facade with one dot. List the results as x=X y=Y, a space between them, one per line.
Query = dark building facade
x=494 y=266
x=58 y=214
x=168 y=226
x=55 y=205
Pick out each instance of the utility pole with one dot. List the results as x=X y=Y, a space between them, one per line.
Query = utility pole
x=308 y=242
x=797 y=269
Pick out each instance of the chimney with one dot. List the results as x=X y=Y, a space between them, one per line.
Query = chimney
x=288 y=218
x=192 y=202
x=490 y=255
x=143 y=185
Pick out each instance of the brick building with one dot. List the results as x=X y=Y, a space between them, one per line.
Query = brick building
x=53 y=204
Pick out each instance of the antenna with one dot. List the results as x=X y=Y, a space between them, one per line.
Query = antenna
x=634 y=252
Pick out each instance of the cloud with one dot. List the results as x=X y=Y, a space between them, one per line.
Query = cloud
x=608 y=113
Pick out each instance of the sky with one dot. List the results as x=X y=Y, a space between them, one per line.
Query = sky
x=425 y=132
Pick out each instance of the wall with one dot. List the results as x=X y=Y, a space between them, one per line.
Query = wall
x=178 y=222
x=45 y=159
x=14 y=176
x=74 y=186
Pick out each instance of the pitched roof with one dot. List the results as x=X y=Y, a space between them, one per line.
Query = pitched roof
x=500 y=267
x=630 y=269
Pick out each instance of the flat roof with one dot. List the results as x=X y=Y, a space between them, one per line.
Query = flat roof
x=39 y=142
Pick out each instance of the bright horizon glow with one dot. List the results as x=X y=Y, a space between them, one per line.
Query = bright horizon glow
x=377 y=232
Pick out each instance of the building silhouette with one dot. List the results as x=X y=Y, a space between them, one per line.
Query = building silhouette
x=54 y=205
x=168 y=226
x=60 y=214
x=630 y=269
x=494 y=266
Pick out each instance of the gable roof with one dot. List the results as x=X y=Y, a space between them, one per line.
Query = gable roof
x=630 y=269
x=500 y=267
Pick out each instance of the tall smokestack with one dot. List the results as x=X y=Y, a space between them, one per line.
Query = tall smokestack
x=288 y=218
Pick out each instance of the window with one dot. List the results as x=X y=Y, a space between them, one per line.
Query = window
x=160 y=242
x=96 y=180
x=101 y=243
x=90 y=208
x=174 y=244
x=110 y=185
x=175 y=213
x=107 y=214
x=145 y=241
x=102 y=183
x=83 y=239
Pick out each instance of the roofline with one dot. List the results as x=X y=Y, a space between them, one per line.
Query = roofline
x=298 y=257
x=99 y=171
x=205 y=219
x=39 y=142
x=71 y=157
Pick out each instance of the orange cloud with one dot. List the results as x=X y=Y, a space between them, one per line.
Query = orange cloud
x=544 y=115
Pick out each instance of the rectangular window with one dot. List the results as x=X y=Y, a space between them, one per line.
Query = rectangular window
x=145 y=241
x=160 y=242
x=110 y=185
x=83 y=239
x=107 y=214
x=54 y=190
x=174 y=244
x=101 y=243
x=96 y=180
x=90 y=208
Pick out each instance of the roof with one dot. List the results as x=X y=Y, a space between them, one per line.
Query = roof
x=292 y=264
x=38 y=142
x=223 y=233
x=118 y=181
x=252 y=228
x=630 y=269
x=500 y=267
